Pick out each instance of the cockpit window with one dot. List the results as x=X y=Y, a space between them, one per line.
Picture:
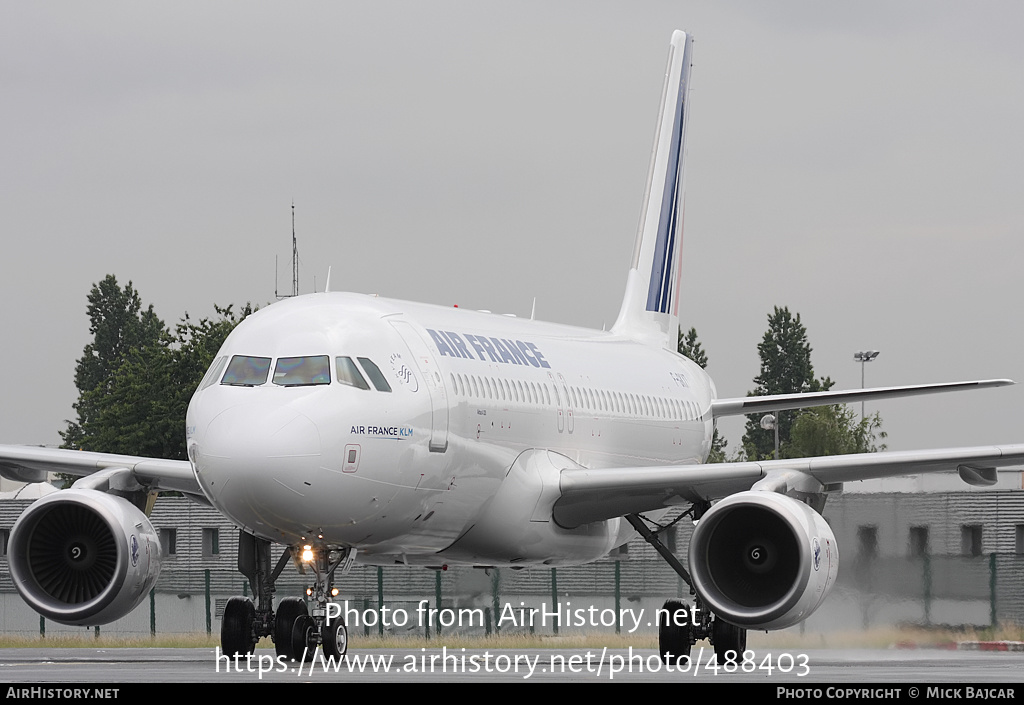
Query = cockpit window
x=213 y=373
x=374 y=373
x=349 y=374
x=246 y=371
x=302 y=371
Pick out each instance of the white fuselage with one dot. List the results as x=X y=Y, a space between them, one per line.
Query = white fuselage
x=417 y=473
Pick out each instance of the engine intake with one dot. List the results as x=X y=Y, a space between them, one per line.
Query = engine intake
x=762 y=560
x=83 y=557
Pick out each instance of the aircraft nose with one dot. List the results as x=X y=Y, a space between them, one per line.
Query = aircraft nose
x=261 y=443
x=257 y=431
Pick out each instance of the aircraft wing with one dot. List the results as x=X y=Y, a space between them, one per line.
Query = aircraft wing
x=31 y=463
x=775 y=402
x=595 y=494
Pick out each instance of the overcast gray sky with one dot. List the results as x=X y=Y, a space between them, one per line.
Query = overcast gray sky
x=860 y=163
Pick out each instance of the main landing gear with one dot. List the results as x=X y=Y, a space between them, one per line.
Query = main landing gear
x=244 y=623
x=681 y=625
x=297 y=630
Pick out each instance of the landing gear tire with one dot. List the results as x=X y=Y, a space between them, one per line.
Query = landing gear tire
x=303 y=641
x=674 y=632
x=335 y=638
x=236 y=633
x=730 y=641
x=290 y=609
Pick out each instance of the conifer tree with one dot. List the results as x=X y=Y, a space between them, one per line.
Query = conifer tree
x=785 y=369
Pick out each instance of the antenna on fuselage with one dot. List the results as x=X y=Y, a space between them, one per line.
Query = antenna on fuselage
x=295 y=264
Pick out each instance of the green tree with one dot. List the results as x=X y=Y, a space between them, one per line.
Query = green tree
x=130 y=410
x=140 y=393
x=833 y=430
x=120 y=328
x=690 y=347
x=785 y=369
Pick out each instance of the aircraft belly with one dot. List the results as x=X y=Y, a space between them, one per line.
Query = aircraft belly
x=514 y=526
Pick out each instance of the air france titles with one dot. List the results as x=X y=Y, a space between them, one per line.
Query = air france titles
x=513 y=352
x=397 y=433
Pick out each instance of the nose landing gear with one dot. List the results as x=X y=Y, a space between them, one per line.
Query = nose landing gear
x=297 y=629
x=298 y=633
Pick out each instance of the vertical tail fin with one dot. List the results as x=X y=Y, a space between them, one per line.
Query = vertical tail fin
x=650 y=308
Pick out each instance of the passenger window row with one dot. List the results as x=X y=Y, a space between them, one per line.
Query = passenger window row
x=581 y=398
x=312 y=370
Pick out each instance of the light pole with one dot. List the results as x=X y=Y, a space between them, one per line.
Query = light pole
x=863 y=356
x=769 y=422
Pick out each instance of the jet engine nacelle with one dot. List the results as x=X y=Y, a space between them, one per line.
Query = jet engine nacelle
x=762 y=560
x=83 y=557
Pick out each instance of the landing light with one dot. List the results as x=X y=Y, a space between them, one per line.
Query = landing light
x=307 y=554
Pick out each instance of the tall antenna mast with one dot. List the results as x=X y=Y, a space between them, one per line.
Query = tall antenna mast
x=295 y=264
x=295 y=257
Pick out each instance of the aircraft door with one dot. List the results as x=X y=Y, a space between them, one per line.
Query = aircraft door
x=431 y=374
x=558 y=403
x=568 y=403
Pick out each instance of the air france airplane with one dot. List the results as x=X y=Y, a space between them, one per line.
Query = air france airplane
x=349 y=428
